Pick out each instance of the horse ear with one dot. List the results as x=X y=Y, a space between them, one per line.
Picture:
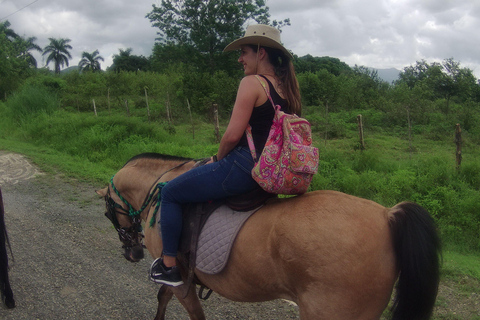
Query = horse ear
x=102 y=192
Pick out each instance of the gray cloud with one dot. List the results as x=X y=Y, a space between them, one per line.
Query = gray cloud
x=383 y=34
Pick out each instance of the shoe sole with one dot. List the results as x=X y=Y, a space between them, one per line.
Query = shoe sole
x=168 y=283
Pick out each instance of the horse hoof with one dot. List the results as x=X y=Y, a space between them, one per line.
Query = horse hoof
x=10 y=303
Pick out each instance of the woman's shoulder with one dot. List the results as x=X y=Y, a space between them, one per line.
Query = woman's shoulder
x=252 y=78
x=251 y=82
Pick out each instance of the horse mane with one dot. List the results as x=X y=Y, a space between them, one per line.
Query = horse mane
x=156 y=156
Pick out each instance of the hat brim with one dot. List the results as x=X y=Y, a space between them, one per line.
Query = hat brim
x=261 y=40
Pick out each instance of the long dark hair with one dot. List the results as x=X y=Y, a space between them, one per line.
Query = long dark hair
x=285 y=73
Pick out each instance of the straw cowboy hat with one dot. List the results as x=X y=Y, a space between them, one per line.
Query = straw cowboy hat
x=260 y=34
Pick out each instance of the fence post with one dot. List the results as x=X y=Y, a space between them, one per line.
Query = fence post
x=94 y=107
x=108 y=100
x=146 y=100
x=215 y=119
x=126 y=106
x=167 y=107
x=191 y=118
x=458 y=142
x=360 y=132
x=326 y=122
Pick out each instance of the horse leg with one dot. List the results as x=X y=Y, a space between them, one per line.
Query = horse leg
x=189 y=301
x=9 y=300
x=164 y=295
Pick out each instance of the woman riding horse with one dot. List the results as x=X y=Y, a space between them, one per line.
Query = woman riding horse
x=228 y=173
x=338 y=257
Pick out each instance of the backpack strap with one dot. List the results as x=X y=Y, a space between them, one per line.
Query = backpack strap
x=264 y=85
x=248 y=131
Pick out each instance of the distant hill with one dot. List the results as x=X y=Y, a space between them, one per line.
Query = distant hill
x=70 y=69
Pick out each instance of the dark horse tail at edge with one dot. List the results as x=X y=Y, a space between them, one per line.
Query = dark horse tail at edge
x=418 y=250
x=5 y=289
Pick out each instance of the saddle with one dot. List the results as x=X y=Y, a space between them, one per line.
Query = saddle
x=196 y=215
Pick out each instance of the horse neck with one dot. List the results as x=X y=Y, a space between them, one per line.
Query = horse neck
x=136 y=180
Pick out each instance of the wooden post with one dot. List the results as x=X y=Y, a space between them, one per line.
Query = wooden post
x=409 y=132
x=167 y=107
x=191 y=118
x=126 y=106
x=215 y=119
x=326 y=122
x=108 y=99
x=360 y=132
x=146 y=100
x=94 y=107
x=458 y=142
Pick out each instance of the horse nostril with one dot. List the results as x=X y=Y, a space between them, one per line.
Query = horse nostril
x=134 y=254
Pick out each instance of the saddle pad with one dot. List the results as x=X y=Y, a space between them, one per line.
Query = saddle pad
x=217 y=236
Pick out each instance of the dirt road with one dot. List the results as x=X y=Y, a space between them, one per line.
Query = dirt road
x=67 y=257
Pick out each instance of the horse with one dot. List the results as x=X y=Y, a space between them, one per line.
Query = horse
x=5 y=288
x=335 y=255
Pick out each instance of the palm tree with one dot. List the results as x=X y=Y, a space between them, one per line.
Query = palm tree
x=29 y=45
x=5 y=28
x=90 y=61
x=57 y=52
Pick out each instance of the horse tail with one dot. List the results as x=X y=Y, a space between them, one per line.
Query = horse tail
x=418 y=251
x=5 y=289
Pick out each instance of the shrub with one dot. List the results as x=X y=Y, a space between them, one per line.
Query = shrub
x=31 y=100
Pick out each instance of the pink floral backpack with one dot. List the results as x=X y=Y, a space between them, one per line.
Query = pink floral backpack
x=288 y=161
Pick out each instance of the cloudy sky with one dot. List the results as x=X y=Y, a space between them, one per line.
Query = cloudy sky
x=375 y=33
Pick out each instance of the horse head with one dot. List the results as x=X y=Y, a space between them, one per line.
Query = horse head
x=128 y=225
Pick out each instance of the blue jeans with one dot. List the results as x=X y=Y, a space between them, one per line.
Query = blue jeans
x=227 y=177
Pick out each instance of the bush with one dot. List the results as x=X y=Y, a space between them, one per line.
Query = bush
x=30 y=101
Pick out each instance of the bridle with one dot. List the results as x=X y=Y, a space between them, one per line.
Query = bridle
x=129 y=236
x=132 y=236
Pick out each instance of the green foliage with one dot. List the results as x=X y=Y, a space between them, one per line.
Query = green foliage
x=14 y=61
x=312 y=64
x=126 y=61
x=30 y=101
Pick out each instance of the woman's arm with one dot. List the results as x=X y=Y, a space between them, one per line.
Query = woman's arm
x=248 y=95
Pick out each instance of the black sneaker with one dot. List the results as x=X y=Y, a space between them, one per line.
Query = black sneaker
x=159 y=273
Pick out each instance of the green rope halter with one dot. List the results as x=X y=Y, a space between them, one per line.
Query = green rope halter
x=131 y=210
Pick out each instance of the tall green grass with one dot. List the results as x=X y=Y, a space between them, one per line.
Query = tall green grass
x=29 y=101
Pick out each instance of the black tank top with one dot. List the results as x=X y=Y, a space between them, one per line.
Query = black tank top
x=262 y=118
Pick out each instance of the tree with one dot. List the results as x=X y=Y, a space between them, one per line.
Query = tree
x=28 y=45
x=126 y=61
x=445 y=80
x=90 y=61
x=13 y=68
x=5 y=28
x=207 y=26
x=58 y=53
x=312 y=64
